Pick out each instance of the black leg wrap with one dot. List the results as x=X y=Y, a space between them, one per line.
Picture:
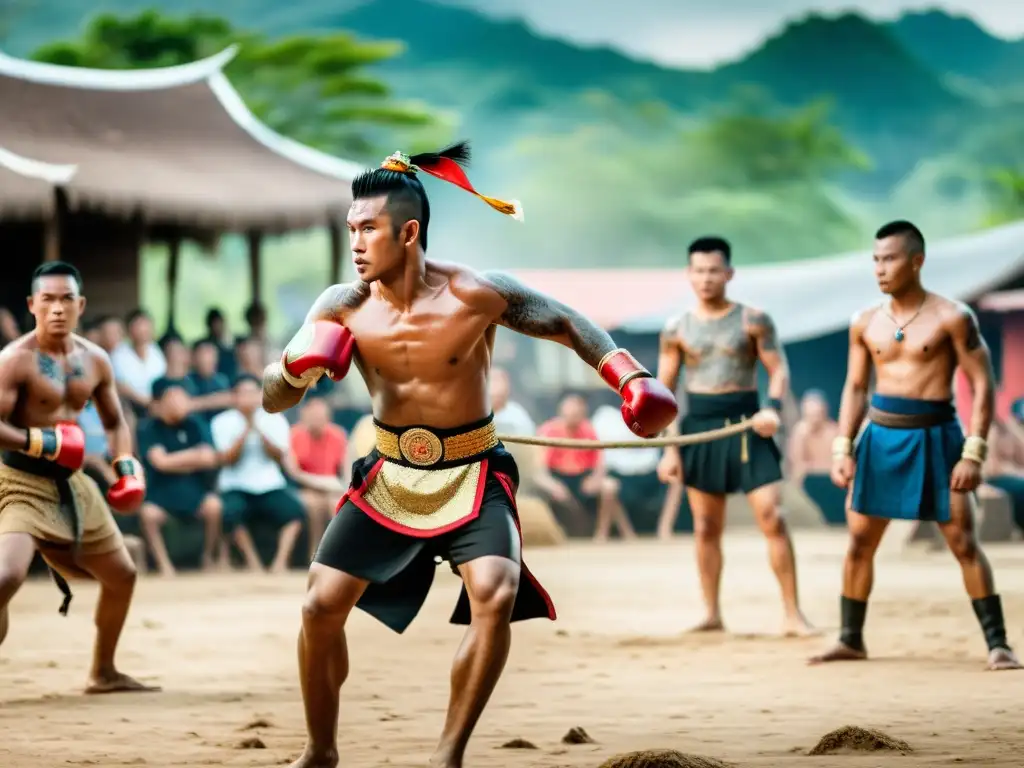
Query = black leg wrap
x=853 y=613
x=989 y=611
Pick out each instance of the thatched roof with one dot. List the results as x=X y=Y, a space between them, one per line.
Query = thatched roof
x=26 y=185
x=176 y=145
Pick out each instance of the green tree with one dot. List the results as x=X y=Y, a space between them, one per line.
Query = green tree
x=751 y=144
x=312 y=88
x=1007 y=197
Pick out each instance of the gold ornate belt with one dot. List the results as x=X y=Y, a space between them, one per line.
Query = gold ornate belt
x=423 y=448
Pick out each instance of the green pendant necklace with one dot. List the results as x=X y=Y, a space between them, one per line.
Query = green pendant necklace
x=899 y=335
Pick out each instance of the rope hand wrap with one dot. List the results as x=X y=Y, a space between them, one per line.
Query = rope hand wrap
x=657 y=442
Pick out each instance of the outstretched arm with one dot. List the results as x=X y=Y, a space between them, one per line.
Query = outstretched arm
x=533 y=314
x=282 y=390
x=647 y=408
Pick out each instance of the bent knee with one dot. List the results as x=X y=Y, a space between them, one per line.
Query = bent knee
x=772 y=523
x=211 y=508
x=707 y=529
x=330 y=597
x=861 y=547
x=495 y=597
x=11 y=579
x=964 y=547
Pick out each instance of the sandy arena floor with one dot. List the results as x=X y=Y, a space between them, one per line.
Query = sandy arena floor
x=614 y=664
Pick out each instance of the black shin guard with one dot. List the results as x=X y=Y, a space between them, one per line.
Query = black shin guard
x=989 y=611
x=853 y=613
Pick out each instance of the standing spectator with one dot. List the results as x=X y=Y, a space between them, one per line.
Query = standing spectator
x=575 y=480
x=138 y=362
x=253 y=445
x=180 y=464
x=9 y=328
x=319 y=448
x=510 y=418
x=211 y=389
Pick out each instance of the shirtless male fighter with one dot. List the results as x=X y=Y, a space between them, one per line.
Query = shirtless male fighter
x=438 y=483
x=47 y=377
x=719 y=343
x=911 y=461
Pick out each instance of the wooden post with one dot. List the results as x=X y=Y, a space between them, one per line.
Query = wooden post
x=334 y=229
x=256 y=266
x=53 y=226
x=173 y=259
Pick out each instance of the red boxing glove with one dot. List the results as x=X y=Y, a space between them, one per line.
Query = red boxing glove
x=318 y=348
x=127 y=494
x=63 y=444
x=647 y=405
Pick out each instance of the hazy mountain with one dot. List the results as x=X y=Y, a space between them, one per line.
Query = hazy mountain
x=957 y=45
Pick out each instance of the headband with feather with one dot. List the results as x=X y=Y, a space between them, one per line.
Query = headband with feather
x=447 y=166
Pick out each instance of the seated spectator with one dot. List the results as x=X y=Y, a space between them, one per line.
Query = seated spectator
x=211 y=389
x=109 y=333
x=575 y=480
x=179 y=460
x=178 y=361
x=510 y=418
x=641 y=494
x=1004 y=468
x=318 y=452
x=9 y=328
x=249 y=360
x=138 y=362
x=217 y=335
x=253 y=445
x=809 y=455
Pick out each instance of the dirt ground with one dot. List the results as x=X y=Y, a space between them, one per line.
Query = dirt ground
x=616 y=664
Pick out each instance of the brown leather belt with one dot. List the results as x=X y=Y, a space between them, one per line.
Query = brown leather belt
x=907 y=420
x=422 y=448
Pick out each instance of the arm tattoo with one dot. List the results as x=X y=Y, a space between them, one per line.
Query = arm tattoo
x=670 y=333
x=332 y=303
x=973 y=341
x=534 y=314
x=278 y=394
x=764 y=329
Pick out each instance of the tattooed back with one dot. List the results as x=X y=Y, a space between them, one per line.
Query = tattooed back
x=922 y=365
x=39 y=389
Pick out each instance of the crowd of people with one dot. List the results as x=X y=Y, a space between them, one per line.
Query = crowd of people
x=213 y=456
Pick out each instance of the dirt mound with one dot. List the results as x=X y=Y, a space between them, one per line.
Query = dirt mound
x=662 y=758
x=577 y=735
x=852 y=738
x=519 y=744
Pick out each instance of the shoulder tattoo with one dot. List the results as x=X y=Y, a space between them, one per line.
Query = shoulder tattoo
x=338 y=298
x=763 y=328
x=670 y=333
x=973 y=340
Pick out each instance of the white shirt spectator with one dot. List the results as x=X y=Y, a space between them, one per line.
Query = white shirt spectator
x=139 y=373
x=609 y=425
x=514 y=420
x=254 y=472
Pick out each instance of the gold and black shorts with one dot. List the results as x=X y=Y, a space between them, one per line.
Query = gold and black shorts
x=421 y=497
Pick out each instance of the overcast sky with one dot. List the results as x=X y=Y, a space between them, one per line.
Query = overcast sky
x=703 y=32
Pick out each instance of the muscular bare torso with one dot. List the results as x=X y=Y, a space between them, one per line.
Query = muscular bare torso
x=719 y=353
x=40 y=389
x=922 y=364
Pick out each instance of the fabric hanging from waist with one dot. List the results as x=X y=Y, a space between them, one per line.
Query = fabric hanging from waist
x=422 y=446
x=909 y=413
x=60 y=476
x=723 y=405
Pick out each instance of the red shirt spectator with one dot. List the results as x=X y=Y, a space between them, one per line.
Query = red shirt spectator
x=320 y=452
x=570 y=461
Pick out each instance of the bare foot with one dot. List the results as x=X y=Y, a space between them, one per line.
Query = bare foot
x=439 y=760
x=118 y=683
x=312 y=760
x=666 y=535
x=838 y=652
x=798 y=626
x=279 y=567
x=168 y=572
x=1000 y=659
x=710 y=624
